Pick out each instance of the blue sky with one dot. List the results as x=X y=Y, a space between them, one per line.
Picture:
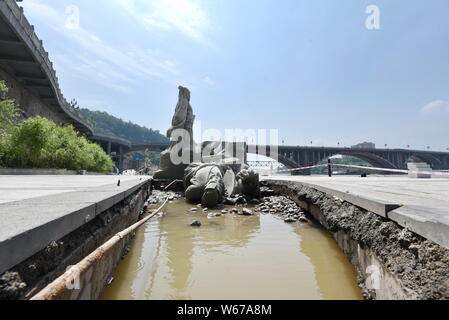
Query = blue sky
x=308 y=68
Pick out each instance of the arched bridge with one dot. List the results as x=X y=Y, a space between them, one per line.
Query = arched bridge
x=155 y=147
x=300 y=156
x=118 y=147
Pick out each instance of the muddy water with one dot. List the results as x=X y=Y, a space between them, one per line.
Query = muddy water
x=232 y=257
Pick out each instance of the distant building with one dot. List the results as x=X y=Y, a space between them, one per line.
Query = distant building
x=364 y=145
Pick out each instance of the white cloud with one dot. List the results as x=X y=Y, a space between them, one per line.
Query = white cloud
x=185 y=16
x=209 y=81
x=436 y=106
x=93 y=104
x=94 y=59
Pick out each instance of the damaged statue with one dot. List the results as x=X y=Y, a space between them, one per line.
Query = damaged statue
x=210 y=183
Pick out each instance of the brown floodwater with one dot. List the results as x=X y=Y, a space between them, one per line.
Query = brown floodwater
x=231 y=257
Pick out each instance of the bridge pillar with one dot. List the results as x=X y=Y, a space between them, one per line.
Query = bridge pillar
x=109 y=147
x=446 y=163
x=398 y=163
x=120 y=160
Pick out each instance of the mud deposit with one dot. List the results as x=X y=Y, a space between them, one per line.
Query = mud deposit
x=236 y=253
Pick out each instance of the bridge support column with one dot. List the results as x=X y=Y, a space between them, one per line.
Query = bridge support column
x=446 y=163
x=120 y=160
x=109 y=148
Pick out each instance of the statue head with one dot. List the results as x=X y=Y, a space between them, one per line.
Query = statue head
x=184 y=93
x=249 y=181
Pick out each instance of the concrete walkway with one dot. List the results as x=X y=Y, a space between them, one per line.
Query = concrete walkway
x=35 y=210
x=422 y=205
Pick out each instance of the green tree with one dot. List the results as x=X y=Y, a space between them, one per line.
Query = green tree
x=108 y=124
x=8 y=118
x=40 y=143
x=8 y=110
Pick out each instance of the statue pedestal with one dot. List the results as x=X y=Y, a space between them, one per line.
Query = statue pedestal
x=169 y=170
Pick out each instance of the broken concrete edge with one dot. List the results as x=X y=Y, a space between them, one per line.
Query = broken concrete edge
x=19 y=247
x=27 y=278
x=428 y=228
x=402 y=214
x=402 y=264
x=377 y=206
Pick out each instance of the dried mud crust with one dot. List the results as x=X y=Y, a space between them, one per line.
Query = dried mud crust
x=420 y=264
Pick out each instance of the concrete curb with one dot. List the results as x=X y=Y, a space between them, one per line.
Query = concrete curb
x=43 y=172
x=33 y=223
x=429 y=222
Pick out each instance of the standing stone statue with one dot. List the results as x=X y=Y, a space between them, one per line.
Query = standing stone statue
x=183 y=117
x=181 y=139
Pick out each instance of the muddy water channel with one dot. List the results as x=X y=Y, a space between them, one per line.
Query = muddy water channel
x=232 y=257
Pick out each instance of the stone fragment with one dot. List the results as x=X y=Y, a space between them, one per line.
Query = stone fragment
x=303 y=219
x=241 y=200
x=414 y=248
x=231 y=201
x=214 y=214
x=195 y=223
x=254 y=201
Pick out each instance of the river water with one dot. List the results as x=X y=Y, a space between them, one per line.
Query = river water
x=231 y=257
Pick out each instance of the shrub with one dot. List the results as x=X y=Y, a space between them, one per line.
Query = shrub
x=40 y=143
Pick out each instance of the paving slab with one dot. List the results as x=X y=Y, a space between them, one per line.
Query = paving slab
x=422 y=205
x=36 y=210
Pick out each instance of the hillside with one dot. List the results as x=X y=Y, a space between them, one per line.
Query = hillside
x=108 y=124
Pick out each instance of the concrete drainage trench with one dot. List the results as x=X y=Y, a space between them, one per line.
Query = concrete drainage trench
x=297 y=243
x=240 y=251
x=391 y=261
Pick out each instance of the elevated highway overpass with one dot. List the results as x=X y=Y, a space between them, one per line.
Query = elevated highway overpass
x=29 y=73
